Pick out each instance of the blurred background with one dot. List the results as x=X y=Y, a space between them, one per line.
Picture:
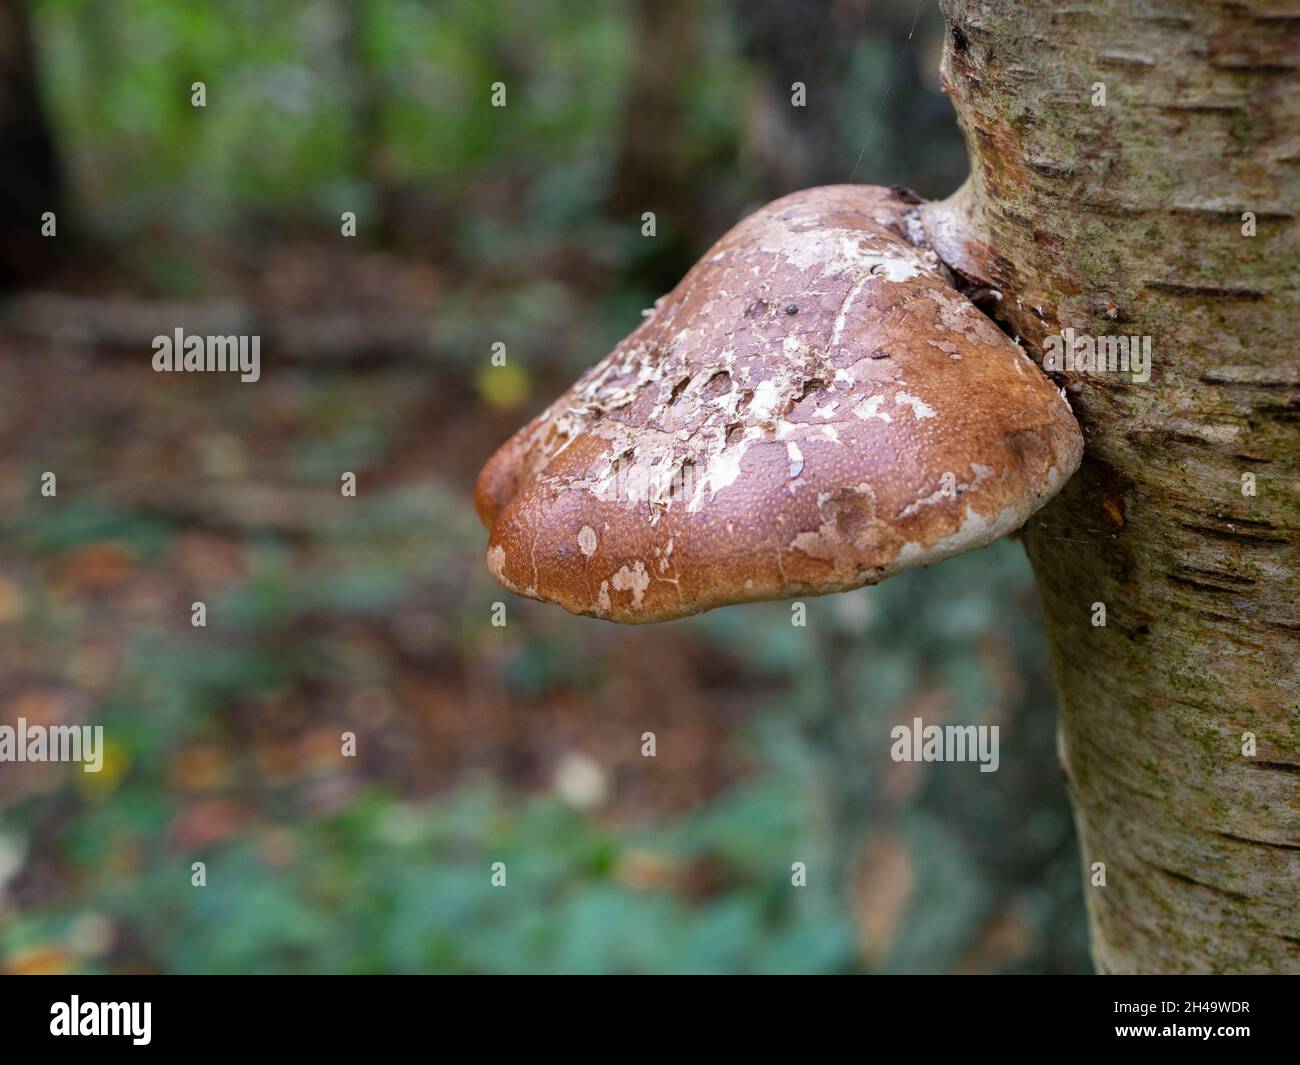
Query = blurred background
x=326 y=614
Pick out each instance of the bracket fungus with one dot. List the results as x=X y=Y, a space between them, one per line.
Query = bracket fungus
x=813 y=408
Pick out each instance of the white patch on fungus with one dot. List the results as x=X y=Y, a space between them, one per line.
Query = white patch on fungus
x=635 y=580
x=721 y=472
x=982 y=474
x=833 y=251
x=870 y=408
x=842 y=317
x=796 y=457
x=975 y=531
x=587 y=540
x=897 y=267
x=849 y=527
x=919 y=407
x=766 y=402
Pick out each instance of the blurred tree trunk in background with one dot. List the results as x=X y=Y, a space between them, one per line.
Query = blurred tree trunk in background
x=367 y=92
x=846 y=53
x=1125 y=217
x=797 y=147
x=651 y=169
x=29 y=172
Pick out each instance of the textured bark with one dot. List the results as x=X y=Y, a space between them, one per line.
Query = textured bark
x=1127 y=219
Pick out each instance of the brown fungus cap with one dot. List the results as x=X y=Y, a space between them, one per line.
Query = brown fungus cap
x=812 y=409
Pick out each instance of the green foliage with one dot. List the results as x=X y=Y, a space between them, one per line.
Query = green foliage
x=288 y=91
x=65 y=523
x=391 y=886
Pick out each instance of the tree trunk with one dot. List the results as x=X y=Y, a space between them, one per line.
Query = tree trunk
x=651 y=170
x=29 y=178
x=367 y=91
x=1126 y=218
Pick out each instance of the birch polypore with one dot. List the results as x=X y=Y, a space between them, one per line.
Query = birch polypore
x=813 y=408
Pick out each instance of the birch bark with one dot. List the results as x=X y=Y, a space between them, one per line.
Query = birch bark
x=1123 y=214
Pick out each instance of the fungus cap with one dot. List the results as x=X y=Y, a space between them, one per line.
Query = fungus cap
x=813 y=408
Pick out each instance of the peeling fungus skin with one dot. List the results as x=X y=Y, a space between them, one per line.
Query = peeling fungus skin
x=781 y=424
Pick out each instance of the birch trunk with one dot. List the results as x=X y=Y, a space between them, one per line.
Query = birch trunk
x=1126 y=218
